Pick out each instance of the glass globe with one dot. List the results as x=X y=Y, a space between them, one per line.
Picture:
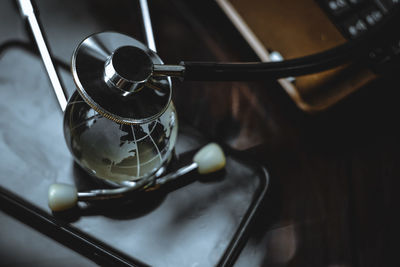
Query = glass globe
x=118 y=152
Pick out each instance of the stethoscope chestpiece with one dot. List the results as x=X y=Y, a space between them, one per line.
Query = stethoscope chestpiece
x=113 y=74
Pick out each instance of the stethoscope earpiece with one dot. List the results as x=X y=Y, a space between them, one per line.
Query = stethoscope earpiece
x=208 y=159
x=62 y=197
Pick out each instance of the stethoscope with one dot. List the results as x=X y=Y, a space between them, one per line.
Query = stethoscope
x=126 y=82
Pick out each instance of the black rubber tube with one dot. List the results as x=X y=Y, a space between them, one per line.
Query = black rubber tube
x=351 y=51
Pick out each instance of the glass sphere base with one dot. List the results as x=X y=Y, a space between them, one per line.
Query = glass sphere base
x=118 y=152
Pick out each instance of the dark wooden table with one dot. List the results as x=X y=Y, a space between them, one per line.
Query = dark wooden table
x=334 y=175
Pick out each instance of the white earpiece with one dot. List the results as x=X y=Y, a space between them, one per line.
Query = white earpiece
x=62 y=197
x=210 y=158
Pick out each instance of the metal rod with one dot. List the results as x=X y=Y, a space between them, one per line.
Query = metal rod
x=179 y=173
x=169 y=70
x=28 y=13
x=99 y=194
x=148 y=29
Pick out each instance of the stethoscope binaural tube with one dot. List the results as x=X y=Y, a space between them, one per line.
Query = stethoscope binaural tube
x=350 y=51
x=247 y=71
x=208 y=159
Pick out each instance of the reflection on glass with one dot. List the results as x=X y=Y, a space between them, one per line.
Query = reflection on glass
x=114 y=151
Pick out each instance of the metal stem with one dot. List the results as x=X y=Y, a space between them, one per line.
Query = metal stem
x=148 y=29
x=158 y=70
x=169 y=70
x=98 y=194
x=174 y=175
x=28 y=13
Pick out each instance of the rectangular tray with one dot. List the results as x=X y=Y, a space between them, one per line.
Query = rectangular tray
x=198 y=221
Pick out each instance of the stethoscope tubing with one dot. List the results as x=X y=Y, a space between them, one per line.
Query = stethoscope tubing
x=351 y=51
